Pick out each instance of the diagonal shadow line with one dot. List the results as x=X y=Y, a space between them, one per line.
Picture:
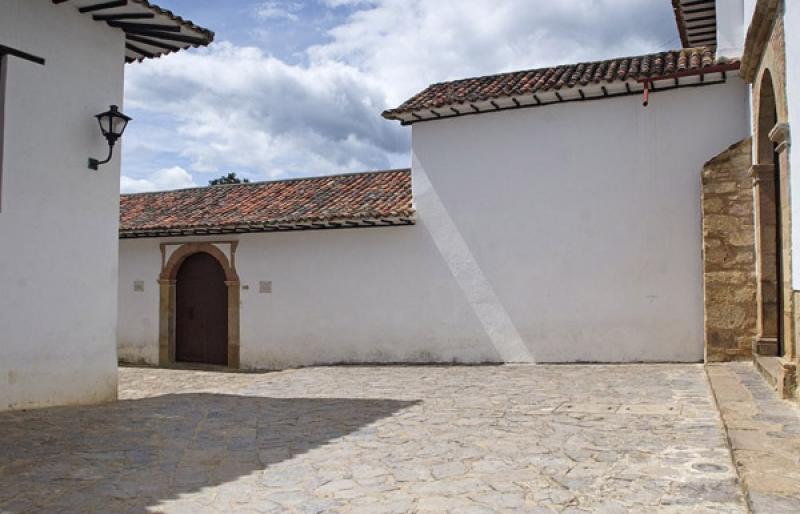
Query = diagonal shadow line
x=133 y=454
x=465 y=269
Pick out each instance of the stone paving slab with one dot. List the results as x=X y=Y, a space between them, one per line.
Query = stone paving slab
x=392 y=439
x=764 y=434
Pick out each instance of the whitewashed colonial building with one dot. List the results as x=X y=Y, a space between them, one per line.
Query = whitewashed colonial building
x=62 y=63
x=633 y=209
x=553 y=220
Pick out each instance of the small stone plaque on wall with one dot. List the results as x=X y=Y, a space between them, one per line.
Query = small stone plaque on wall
x=265 y=286
x=138 y=286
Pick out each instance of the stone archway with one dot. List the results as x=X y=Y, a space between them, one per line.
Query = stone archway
x=168 y=300
x=773 y=229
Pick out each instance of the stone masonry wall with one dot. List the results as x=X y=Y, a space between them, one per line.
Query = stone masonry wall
x=729 y=271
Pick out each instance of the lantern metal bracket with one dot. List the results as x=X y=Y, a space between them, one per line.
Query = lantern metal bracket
x=94 y=164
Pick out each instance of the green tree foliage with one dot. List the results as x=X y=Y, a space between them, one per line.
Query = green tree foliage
x=230 y=178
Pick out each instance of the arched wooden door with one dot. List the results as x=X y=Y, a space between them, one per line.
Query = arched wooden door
x=201 y=311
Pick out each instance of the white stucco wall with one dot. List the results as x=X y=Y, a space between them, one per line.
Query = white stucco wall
x=791 y=22
x=58 y=220
x=585 y=219
x=562 y=233
x=354 y=295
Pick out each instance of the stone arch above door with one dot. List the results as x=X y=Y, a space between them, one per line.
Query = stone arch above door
x=766 y=118
x=167 y=296
x=170 y=269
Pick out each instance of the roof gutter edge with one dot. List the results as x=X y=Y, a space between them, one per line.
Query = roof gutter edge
x=381 y=221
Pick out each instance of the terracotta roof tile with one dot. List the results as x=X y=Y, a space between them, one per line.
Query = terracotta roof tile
x=356 y=197
x=528 y=82
x=174 y=17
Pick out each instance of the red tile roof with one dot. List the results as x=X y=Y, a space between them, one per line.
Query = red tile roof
x=531 y=82
x=339 y=201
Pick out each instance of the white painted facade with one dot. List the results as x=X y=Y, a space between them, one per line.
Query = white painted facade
x=791 y=22
x=564 y=233
x=58 y=219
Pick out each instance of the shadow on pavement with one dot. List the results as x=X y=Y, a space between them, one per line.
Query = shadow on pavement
x=134 y=454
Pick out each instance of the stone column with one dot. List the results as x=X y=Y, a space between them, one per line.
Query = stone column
x=166 y=322
x=766 y=342
x=780 y=136
x=233 y=323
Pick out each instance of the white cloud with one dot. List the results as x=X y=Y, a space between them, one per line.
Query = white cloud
x=340 y=3
x=406 y=44
x=235 y=108
x=240 y=109
x=168 y=178
x=278 y=10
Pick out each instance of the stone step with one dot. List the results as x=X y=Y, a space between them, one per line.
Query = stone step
x=770 y=368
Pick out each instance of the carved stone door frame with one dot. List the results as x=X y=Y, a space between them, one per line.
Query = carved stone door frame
x=171 y=260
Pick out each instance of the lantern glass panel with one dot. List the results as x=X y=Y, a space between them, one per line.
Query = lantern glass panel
x=118 y=125
x=105 y=123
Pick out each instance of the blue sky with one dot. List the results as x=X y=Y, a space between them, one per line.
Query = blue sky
x=296 y=87
x=284 y=28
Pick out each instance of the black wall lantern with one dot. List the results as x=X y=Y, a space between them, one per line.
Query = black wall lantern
x=112 y=124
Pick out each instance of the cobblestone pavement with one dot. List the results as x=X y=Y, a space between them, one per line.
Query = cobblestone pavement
x=764 y=433
x=394 y=439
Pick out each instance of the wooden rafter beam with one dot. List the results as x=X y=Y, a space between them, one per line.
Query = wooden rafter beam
x=700 y=10
x=7 y=50
x=124 y=16
x=701 y=19
x=152 y=42
x=701 y=33
x=139 y=50
x=168 y=36
x=702 y=26
x=103 y=6
x=143 y=26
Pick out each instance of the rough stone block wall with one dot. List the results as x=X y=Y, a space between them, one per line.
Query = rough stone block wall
x=729 y=253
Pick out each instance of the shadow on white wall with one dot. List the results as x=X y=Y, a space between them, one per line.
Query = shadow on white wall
x=462 y=264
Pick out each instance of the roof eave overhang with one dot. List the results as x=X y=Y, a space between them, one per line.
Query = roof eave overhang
x=712 y=75
x=150 y=31
x=697 y=22
x=285 y=226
